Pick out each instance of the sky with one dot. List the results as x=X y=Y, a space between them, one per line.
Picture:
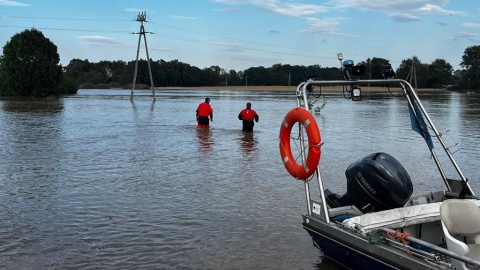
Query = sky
x=239 y=34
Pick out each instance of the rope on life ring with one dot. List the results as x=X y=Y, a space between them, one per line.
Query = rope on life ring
x=304 y=117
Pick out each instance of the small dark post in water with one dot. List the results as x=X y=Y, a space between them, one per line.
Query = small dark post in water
x=142 y=17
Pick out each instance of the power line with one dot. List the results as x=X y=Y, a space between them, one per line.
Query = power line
x=263 y=44
x=236 y=39
x=62 y=19
x=164 y=25
x=316 y=52
x=162 y=36
x=180 y=39
x=65 y=29
x=246 y=48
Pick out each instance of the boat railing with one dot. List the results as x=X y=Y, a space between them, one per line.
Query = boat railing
x=415 y=106
x=326 y=220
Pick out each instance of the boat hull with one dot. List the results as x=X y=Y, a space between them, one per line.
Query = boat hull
x=354 y=252
x=345 y=256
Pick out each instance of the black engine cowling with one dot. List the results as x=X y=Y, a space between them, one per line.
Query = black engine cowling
x=374 y=183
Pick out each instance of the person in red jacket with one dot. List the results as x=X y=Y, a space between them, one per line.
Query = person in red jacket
x=247 y=116
x=204 y=111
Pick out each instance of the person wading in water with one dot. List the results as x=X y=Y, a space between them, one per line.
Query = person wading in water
x=247 y=115
x=204 y=111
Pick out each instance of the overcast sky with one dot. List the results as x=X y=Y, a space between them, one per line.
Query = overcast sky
x=238 y=34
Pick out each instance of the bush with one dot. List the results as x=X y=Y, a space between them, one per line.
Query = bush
x=102 y=86
x=115 y=85
x=66 y=86
x=86 y=86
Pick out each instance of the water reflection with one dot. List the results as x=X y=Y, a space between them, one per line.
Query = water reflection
x=43 y=106
x=32 y=159
x=205 y=141
x=247 y=142
x=135 y=106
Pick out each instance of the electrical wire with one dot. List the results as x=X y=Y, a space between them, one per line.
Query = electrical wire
x=165 y=36
x=65 y=29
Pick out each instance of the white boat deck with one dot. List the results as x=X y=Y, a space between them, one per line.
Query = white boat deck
x=396 y=218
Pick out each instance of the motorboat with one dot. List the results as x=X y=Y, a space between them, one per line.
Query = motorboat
x=380 y=222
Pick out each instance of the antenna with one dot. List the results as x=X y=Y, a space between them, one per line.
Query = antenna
x=142 y=17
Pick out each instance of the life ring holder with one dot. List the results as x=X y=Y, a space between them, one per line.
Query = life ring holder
x=304 y=117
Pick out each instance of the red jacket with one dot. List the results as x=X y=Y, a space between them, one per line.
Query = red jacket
x=204 y=109
x=248 y=115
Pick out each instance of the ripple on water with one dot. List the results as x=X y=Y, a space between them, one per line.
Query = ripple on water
x=100 y=182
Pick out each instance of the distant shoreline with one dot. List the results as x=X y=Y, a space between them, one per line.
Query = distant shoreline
x=288 y=89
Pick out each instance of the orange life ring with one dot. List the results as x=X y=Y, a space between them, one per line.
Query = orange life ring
x=304 y=117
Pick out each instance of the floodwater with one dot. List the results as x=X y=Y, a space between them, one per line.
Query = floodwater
x=94 y=181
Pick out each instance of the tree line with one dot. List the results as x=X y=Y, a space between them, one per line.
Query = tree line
x=30 y=66
x=106 y=74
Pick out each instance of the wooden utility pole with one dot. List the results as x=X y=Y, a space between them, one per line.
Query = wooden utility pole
x=142 y=17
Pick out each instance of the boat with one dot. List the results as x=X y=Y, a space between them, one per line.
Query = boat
x=381 y=222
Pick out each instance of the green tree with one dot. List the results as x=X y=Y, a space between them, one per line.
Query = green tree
x=76 y=68
x=471 y=65
x=413 y=71
x=376 y=67
x=234 y=78
x=257 y=76
x=439 y=74
x=30 y=66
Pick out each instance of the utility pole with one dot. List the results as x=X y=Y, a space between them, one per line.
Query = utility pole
x=412 y=74
x=142 y=17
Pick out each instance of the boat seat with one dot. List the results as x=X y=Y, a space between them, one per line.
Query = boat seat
x=461 y=225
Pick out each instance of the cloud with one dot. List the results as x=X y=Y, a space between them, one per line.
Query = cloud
x=404 y=18
x=275 y=32
x=230 y=10
x=230 y=47
x=325 y=26
x=400 y=10
x=397 y=6
x=181 y=17
x=102 y=41
x=160 y=49
x=434 y=9
x=464 y=34
x=471 y=25
x=468 y=35
x=13 y=3
x=279 y=7
x=255 y=60
x=134 y=10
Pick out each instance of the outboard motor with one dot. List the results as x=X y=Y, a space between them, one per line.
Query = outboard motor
x=374 y=183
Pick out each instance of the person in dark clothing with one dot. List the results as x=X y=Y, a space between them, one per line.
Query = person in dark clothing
x=204 y=111
x=247 y=116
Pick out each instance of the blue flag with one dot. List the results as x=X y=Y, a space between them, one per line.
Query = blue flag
x=418 y=123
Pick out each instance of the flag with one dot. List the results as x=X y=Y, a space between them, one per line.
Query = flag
x=417 y=121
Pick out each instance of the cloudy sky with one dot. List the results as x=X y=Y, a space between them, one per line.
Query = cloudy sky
x=238 y=34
